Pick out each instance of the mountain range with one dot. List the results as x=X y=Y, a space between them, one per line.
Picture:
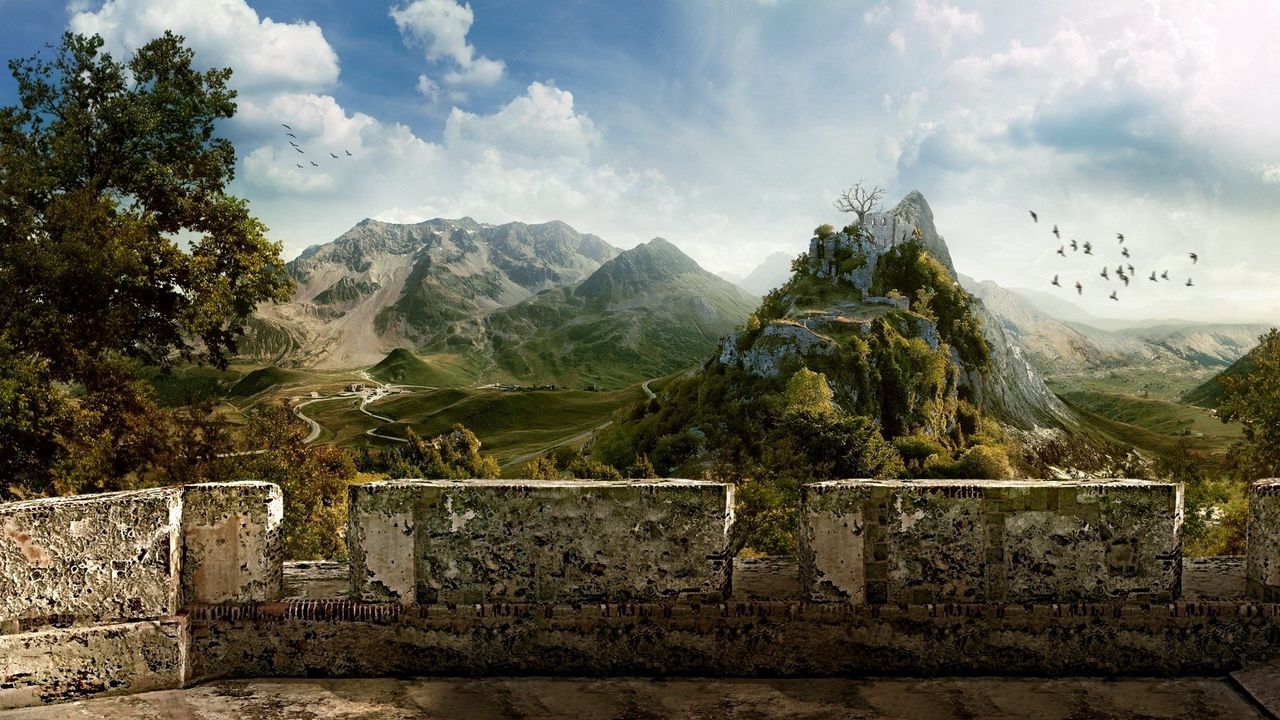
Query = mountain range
x=498 y=302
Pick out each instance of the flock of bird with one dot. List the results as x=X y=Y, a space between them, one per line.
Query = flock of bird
x=296 y=146
x=1124 y=271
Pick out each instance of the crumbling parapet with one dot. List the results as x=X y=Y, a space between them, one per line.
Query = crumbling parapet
x=563 y=541
x=1262 y=553
x=90 y=559
x=927 y=541
x=233 y=545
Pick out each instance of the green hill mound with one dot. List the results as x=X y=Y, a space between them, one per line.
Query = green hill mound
x=266 y=378
x=402 y=367
x=1210 y=393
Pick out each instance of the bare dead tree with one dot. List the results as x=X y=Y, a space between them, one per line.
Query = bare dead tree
x=860 y=200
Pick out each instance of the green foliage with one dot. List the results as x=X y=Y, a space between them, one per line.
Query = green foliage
x=1253 y=399
x=586 y=469
x=454 y=455
x=808 y=393
x=824 y=231
x=314 y=481
x=911 y=270
x=641 y=469
x=917 y=449
x=542 y=468
x=105 y=162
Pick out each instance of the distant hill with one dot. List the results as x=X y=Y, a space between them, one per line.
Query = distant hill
x=772 y=273
x=1211 y=392
x=648 y=312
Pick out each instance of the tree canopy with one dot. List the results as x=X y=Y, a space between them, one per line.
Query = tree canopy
x=1253 y=399
x=117 y=234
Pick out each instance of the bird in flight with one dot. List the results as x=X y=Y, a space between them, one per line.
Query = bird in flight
x=1034 y=218
x=1131 y=270
x=1194 y=258
x=1124 y=252
x=286 y=127
x=1120 y=236
x=1105 y=276
x=349 y=154
x=335 y=157
x=1074 y=246
x=1088 y=248
x=313 y=164
x=1079 y=288
x=294 y=143
x=1189 y=283
x=295 y=137
x=1113 y=296
x=1055 y=281
x=1060 y=250
x=1153 y=276
x=295 y=147
x=298 y=164
x=1055 y=232
x=1125 y=278
x=1164 y=275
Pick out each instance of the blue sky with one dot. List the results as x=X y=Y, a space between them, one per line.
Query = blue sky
x=728 y=126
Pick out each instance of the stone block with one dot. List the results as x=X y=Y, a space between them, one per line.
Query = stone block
x=1262 y=551
x=92 y=558
x=566 y=541
x=64 y=664
x=942 y=541
x=233 y=544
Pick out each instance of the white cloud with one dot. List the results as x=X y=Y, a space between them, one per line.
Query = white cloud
x=876 y=15
x=439 y=28
x=1270 y=174
x=264 y=53
x=542 y=123
x=945 y=22
x=428 y=88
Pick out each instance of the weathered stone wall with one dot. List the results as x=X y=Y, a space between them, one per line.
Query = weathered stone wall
x=870 y=541
x=62 y=664
x=770 y=639
x=473 y=541
x=1262 y=562
x=93 y=558
x=233 y=546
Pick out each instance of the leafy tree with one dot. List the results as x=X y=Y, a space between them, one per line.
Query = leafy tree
x=542 y=468
x=641 y=469
x=1253 y=399
x=586 y=469
x=454 y=455
x=808 y=393
x=118 y=243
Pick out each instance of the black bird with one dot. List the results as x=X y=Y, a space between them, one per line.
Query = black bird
x=1153 y=276
x=1121 y=237
x=1088 y=248
x=1055 y=232
x=1079 y=288
x=349 y=154
x=1113 y=296
x=1105 y=276
x=1124 y=252
x=286 y=127
x=1034 y=218
x=1074 y=246
x=1189 y=284
x=1164 y=275
x=1060 y=251
x=298 y=164
x=294 y=144
x=1055 y=278
x=295 y=137
x=295 y=147
x=335 y=157
x=1131 y=270
x=313 y=164
x=1194 y=258
x=1125 y=278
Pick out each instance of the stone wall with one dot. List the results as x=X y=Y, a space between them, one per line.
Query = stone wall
x=1262 y=562
x=470 y=541
x=91 y=586
x=872 y=541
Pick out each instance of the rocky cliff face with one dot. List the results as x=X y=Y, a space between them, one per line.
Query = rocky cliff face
x=846 y=302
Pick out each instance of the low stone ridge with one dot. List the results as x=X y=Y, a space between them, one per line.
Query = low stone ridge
x=92 y=558
x=1262 y=562
x=233 y=544
x=568 y=541
x=1017 y=541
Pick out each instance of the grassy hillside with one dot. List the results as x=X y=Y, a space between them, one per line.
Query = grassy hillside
x=1154 y=426
x=267 y=378
x=402 y=367
x=1209 y=394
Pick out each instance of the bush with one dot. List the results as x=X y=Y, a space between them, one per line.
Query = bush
x=824 y=231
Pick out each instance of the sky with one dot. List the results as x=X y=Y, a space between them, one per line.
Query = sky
x=729 y=126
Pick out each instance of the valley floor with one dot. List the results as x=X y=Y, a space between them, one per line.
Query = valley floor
x=659 y=699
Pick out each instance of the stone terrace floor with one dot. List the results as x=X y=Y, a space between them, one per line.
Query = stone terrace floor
x=644 y=699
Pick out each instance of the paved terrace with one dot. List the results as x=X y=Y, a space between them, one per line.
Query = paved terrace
x=503 y=581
